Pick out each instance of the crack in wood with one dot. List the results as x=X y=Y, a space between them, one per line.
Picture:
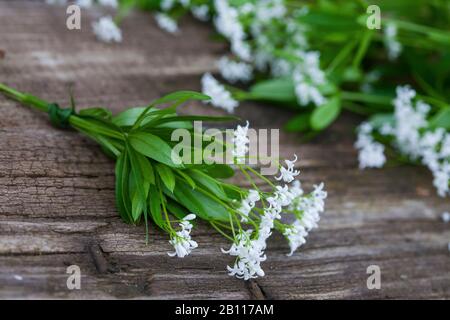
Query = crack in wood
x=256 y=291
x=96 y=253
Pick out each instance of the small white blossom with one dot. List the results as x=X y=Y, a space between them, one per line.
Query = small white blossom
x=445 y=217
x=56 y=2
x=220 y=97
x=234 y=71
x=84 y=3
x=240 y=143
x=201 y=12
x=371 y=153
x=106 y=30
x=182 y=241
x=288 y=174
x=248 y=204
x=109 y=3
x=249 y=253
x=307 y=77
x=166 y=5
x=296 y=235
x=390 y=40
x=166 y=23
x=309 y=208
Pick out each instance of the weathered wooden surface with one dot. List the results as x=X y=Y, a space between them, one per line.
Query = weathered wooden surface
x=57 y=197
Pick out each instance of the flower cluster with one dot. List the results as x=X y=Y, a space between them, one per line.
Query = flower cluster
x=181 y=240
x=413 y=135
x=263 y=211
x=394 y=48
x=371 y=152
x=240 y=143
x=220 y=97
x=106 y=30
x=307 y=78
x=234 y=71
x=166 y=23
x=255 y=30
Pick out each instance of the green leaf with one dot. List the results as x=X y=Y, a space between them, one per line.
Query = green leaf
x=181 y=96
x=198 y=203
x=155 y=148
x=122 y=198
x=141 y=177
x=128 y=117
x=194 y=118
x=99 y=113
x=167 y=176
x=208 y=183
x=324 y=115
x=221 y=171
x=138 y=206
x=176 y=209
x=299 y=123
x=154 y=202
x=277 y=90
x=187 y=178
x=441 y=119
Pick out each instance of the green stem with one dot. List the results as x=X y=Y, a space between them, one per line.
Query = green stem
x=24 y=98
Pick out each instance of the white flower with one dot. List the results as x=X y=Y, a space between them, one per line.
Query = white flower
x=166 y=23
x=241 y=49
x=390 y=41
x=296 y=234
x=283 y=195
x=371 y=153
x=295 y=189
x=234 y=71
x=372 y=156
x=309 y=208
x=182 y=241
x=267 y=10
x=248 y=204
x=441 y=182
x=56 y=2
x=445 y=217
x=167 y=4
x=201 y=12
x=240 y=143
x=249 y=253
x=108 y=3
x=220 y=97
x=307 y=77
x=280 y=68
x=106 y=30
x=185 y=3
x=84 y=3
x=227 y=21
x=288 y=174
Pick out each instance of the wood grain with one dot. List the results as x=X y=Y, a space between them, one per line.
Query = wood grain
x=57 y=188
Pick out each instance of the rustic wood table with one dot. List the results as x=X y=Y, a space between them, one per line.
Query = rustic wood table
x=57 y=188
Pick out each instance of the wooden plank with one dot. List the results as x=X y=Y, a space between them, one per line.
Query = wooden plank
x=57 y=188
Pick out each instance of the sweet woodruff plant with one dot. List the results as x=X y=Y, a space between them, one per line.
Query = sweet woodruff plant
x=155 y=186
